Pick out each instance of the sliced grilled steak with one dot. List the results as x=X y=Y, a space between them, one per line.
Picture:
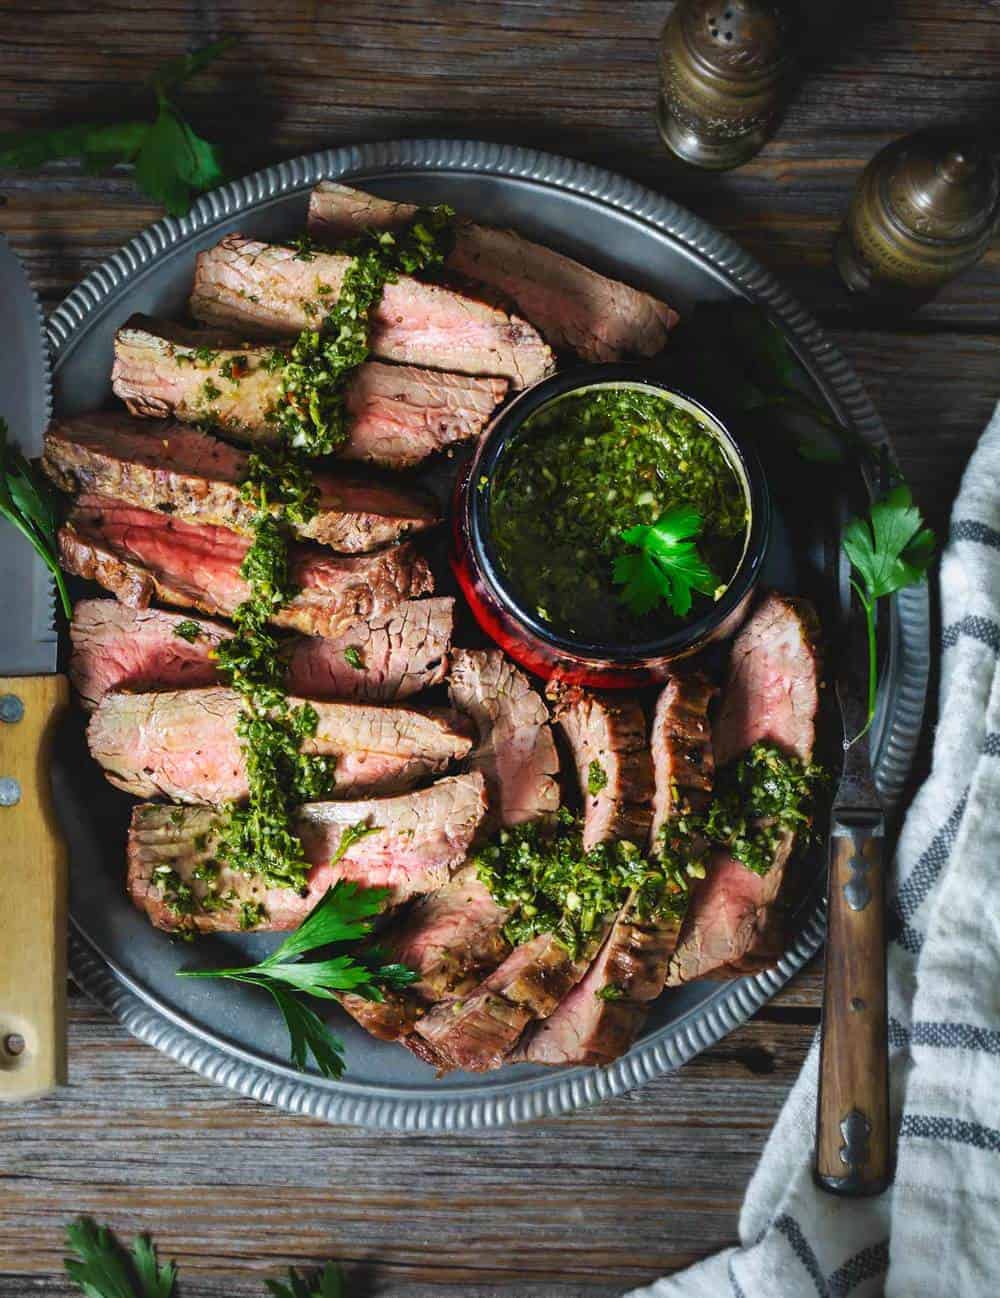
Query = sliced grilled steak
x=478 y=1032
x=266 y=289
x=574 y=307
x=733 y=924
x=515 y=749
x=121 y=648
x=423 y=837
x=602 y=1015
x=683 y=760
x=398 y=414
x=452 y=938
x=141 y=555
x=194 y=476
x=772 y=685
x=607 y=734
x=771 y=694
x=183 y=744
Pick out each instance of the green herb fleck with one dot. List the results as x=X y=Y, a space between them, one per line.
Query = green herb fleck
x=304 y=248
x=611 y=992
x=188 y=630
x=235 y=368
x=252 y=914
x=354 y=657
x=597 y=778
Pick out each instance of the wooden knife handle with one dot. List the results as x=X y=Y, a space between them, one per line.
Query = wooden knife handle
x=33 y=885
x=852 y=1128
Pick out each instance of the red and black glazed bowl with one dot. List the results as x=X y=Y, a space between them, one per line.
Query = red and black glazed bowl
x=518 y=630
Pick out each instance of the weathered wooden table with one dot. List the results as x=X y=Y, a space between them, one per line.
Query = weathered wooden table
x=590 y=1204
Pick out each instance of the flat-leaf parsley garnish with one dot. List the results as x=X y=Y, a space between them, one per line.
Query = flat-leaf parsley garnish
x=346 y=914
x=665 y=564
x=28 y=503
x=889 y=550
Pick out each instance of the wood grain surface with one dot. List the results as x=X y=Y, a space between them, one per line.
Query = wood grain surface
x=590 y=1204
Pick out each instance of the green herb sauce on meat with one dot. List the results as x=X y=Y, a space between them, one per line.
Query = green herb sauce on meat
x=757 y=799
x=311 y=420
x=551 y=885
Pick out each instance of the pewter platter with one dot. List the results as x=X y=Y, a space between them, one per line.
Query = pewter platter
x=228 y=1033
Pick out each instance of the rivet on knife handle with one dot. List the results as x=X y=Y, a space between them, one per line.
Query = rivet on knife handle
x=32 y=896
x=852 y=1135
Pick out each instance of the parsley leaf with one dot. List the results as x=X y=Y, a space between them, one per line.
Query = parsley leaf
x=172 y=162
x=889 y=550
x=328 y=1284
x=667 y=565
x=103 y=1269
x=345 y=914
x=28 y=503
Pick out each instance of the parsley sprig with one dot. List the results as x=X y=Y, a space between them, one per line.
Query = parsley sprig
x=103 y=1268
x=172 y=162
x=346 y=914
x=889 y=550
x=665 y=564
x=29 y=504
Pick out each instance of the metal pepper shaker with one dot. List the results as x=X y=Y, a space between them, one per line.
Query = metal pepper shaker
x=724 y=74
x=924 y=209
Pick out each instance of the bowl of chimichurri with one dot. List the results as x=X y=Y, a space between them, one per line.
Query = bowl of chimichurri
x=608 y=525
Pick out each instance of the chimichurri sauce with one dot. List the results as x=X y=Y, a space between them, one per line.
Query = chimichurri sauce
x=584 y=469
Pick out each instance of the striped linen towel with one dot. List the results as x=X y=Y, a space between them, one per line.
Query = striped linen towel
x=936 y=1231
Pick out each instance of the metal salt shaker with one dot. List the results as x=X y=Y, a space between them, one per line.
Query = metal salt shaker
x=924 y=209
x=724 y=74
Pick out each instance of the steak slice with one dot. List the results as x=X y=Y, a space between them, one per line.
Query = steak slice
x=602 y=1015
x=191 y=475
x=268 y=289
x=772 y=685
x=607 y=735
x=120 y=648
x=141 y=555
x=600 y=319
x=183 y=744
x=771 y=694
x=452 y=938
x=515 y=749
x=477 y=1033
x=683 y=759
x=422 y=838
x=398 y=414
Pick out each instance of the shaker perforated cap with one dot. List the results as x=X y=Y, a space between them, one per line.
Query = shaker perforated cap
x=741 y=39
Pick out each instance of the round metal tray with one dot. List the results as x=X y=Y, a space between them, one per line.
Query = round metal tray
x=227 y=1033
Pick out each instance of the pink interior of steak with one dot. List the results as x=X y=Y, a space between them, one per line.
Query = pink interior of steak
x=600 y=318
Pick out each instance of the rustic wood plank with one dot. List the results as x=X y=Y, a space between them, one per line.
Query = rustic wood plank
x=234 y=1189
x=566 y=78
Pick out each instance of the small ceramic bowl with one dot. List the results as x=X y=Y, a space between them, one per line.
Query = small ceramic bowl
x=518 y=630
